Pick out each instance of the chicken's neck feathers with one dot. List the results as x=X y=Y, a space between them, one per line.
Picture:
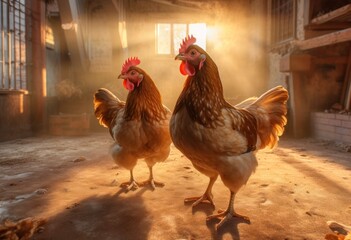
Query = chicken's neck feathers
x=144 y=103
x=202 y=96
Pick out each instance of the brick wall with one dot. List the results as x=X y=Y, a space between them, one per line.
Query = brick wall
x=331 y=126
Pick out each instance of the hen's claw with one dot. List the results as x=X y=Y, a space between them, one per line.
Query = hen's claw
x=224 y=216
x=197 y=200
x=130 y=185
x=206 y=197
x=152 y=183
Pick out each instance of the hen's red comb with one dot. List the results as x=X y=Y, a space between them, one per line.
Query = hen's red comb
x=133 y=61
x=187 y=41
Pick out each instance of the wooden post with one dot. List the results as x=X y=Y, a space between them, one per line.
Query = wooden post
x=300 y=108
x=346 y=84
x=38 y=81
x=298 y=65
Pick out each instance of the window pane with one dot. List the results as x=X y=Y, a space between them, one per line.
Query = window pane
x=12 y=45
x=179 y=33
x=163 y=38
x=282 y=20
x=198 y=30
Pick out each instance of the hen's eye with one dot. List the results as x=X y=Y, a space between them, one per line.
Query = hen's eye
x=192 y=53
x=132 y=72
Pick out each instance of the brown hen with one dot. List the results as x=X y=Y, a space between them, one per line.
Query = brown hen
x=218 y=138
x=139 y=126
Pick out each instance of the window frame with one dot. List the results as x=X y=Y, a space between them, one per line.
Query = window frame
x=13 y=46
x=276 y=25
x=172 y=46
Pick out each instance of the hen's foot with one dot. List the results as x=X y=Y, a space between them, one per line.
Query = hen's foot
x=224 y=216
x=152 y=183
x=131 y=185
x=206 y=198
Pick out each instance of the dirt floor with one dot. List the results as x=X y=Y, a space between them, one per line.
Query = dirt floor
x=73 y=183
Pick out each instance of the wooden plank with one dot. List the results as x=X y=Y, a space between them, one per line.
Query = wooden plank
x=338 y=14
x=324 y=40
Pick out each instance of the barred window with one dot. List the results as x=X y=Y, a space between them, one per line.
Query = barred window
x=13 y=45
x=283 y=20
x=169 y=36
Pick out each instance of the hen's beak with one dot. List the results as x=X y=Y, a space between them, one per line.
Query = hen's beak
x=180 y=56
x=122 y=76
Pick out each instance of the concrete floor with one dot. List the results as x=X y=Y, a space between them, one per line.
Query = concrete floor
x=74 y=185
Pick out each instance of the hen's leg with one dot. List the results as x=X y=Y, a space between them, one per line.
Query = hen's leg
x=224 y=216
x=151 y=181
x=132 y=184
x=207 y=196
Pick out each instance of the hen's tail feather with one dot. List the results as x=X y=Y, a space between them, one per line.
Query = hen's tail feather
x=270 y=110
x=246 y=102
x=106 y=107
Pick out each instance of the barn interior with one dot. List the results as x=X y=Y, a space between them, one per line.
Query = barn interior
x=57 y=175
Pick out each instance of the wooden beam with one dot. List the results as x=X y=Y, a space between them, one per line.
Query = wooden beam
x=338 y=14
x=329 y=26
x=324 y=40
x=69 y=16
x=38 y=78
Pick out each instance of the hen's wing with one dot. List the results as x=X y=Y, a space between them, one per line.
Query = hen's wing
x=257 y=122
x=106 y=107
x=158 y=133
x=270 y=111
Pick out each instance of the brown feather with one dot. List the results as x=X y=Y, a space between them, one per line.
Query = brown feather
x=202 y=95
x=106 y=107
x=245 y=123
x=270 y=110
x=144 y=102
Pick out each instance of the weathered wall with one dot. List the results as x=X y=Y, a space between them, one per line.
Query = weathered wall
x=275 y=76
x=15 y=116
x=323 y=85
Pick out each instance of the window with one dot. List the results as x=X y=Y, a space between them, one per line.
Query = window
x=12 y=45
x=169 y=36
x=100 y=40
x=283 y=20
